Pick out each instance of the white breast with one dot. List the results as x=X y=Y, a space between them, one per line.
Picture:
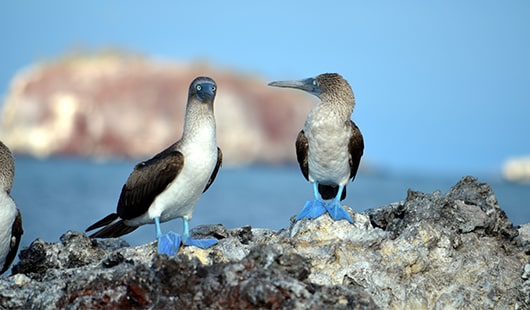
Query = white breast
x=8 y=213
x=328 y=139
x=181 y=196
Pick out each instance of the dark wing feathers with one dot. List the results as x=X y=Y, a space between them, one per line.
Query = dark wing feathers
x=356 y=148
x=16 y=234
x=216 y=169
x=302 y=149
x=147 y=180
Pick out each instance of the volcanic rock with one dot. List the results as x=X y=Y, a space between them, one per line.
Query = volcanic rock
x=429 y=251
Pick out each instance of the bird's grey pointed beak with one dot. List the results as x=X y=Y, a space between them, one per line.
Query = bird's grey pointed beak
x=298 y=84
x=308 y=85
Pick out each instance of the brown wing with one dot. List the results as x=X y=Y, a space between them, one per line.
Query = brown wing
x=16 y=234
x=217 y=166
x=356 y=148
x=302 y=149
x=147 y=181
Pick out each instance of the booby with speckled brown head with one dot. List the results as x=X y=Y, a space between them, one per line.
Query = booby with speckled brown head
x=10 y=218
x=330 y=147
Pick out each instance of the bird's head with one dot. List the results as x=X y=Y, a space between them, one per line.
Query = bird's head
x=204 y=89
x=326 y=83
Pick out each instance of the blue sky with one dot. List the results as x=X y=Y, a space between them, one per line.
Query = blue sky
x=441 y=86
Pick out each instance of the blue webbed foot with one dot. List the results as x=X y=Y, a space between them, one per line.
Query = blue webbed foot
x=200 y=243
x=169 y=243
x=312 y=210
x=337 y=212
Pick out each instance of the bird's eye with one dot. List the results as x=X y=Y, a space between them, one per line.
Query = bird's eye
x=199 y=87
x=213 y=88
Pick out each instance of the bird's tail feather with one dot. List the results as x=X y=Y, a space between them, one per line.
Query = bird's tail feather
x=114 y=230
x=329 y=192
x=103 y=222
x=111 y=227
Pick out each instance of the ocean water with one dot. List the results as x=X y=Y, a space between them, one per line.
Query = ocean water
x=57 y=195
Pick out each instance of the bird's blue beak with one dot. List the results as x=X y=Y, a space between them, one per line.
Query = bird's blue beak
x=309 y=85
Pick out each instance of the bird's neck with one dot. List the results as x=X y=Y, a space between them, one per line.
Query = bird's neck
x=334 y=108
x=199 y=124
x=7 y=169
x=6 y=181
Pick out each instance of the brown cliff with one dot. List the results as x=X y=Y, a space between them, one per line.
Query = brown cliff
x=114 y=105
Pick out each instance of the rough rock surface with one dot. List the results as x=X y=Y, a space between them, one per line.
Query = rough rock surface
x=430 y=251
x=116 y=105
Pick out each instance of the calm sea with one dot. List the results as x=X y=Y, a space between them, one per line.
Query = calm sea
x=57 y=195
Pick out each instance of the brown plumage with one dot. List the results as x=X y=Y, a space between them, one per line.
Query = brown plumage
x=16 y=236
x=329 y=136
x=189 y=166
x=11 y=219
x=146 y=182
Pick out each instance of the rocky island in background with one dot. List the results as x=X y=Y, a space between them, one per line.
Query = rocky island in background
x=117 y=105
x=430 y=251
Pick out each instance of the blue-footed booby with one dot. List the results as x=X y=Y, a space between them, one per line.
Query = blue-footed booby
x=330 y=146
x=169 y=185
x=10 y=218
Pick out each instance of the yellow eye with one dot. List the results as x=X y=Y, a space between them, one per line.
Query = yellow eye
x=199 y=87
x=213 y=88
